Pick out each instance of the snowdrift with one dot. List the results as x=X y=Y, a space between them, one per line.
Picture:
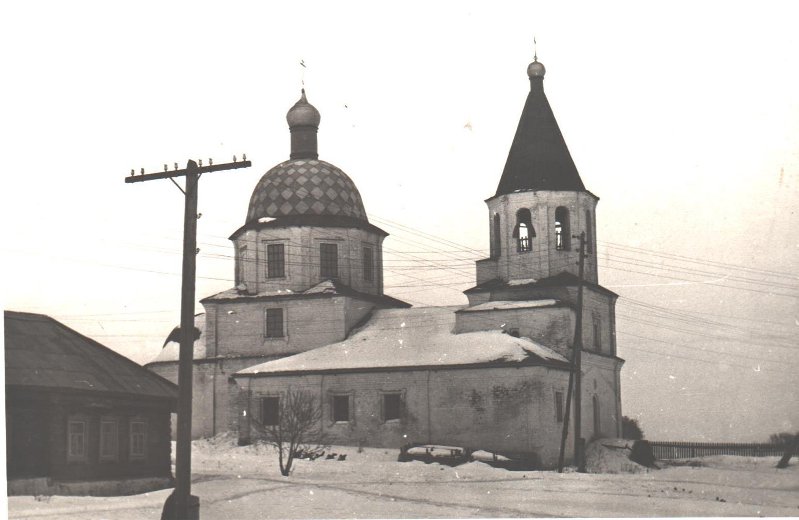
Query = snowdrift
x=611 y=456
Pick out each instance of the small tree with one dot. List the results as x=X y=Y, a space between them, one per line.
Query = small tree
x=784 y=438
x=630 y=429
x=297 y=427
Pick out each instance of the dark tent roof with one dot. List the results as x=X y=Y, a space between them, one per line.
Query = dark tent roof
x=42 y=352
x=539 y=158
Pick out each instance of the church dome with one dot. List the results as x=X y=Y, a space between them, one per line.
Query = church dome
x=305 y=187
x=303 y=113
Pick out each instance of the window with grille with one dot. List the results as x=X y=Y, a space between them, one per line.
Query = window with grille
x=138 y=439
x=109 y=439
x=341 y=408
x=274 y=323
x=328 y=260
x=562 y=229
x=368 y=264
x=524 y=231
x=270 y=411
x=392 y=406
x=559 y=406
x=275 y=261
x=76 y=440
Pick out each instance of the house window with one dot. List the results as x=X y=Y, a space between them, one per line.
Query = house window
x=597 y=422
x=562 y=231
x=138 y=439
x=275 y=261
x=368 y=264
x=109 y=439
x=328 y=260
x=392 y=406
x=341 y=408
x=270 y=411
x=76 y=440
x=589 y=232
x=496 y=244
x=274 y=323
x=559 y=406
x=524 y=232
x=597 y=334
x=240 y=267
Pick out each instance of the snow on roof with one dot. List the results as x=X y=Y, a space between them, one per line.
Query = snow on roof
x=522 y=281
x=505 y=305
x=171 y=350
x=416 y=337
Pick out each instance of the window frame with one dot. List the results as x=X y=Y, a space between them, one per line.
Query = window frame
x=328 y=264
x=262 y=409
x=115 y=445
x=84 y=455
x=349 y=400
x=282 y=327
x=597 y=323
x=400 y=395
x=562 y=229
x=241 y=252
x=271 y=272
x=559 y=406
x=368 y=263
x=134 y=454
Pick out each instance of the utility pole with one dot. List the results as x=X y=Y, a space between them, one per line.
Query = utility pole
x=181 y=505
x=579 y=455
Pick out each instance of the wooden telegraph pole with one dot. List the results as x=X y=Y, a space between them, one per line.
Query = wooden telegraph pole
x=575 y=377
x=579 y=454
x=181 y=505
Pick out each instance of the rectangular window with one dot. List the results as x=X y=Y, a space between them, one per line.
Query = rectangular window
x=109 y=439
x=341 y=408
x=597 y=334
x=240 y=266
x=328 y=260
x=589 y=232
x=392 y=406
x=138 y=439
x=270 y=411
x=559 y=406
x=76 y=440
x=275 y=261
x=368 y=264
x=274 y=323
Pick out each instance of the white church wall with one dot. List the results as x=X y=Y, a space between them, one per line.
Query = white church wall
x=500 y=409
x=600 y=380
x=549 y=326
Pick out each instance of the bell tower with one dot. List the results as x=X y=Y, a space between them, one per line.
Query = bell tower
x=541 y=203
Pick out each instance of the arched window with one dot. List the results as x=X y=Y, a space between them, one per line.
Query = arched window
x=589 y=232
x=562 y=231
x=597 y=422
x=524 y=231
x=496 y=244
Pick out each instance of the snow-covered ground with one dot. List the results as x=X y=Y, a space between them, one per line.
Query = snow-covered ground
x=244 y=482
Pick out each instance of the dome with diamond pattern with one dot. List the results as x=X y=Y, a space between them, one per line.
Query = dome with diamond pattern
x=305 y=187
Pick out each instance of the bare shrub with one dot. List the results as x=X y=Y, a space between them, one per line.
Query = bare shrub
x=296 y=430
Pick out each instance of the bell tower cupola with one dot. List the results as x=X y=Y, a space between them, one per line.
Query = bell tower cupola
x=541 y=205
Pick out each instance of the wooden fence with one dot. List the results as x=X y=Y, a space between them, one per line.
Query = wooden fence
x=684 y=450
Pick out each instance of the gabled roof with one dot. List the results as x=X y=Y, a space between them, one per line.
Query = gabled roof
x=413 y=339
x=539 y=158
x=42 y=352
x=324 y=289
x=562 y=279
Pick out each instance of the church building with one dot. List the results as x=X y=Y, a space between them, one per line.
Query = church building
x=308 y=312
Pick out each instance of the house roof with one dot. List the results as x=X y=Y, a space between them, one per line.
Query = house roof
x=412 y=339
x=326 y=221
x=324 y=289
x=42 y=352
x=564 y=279
x=539 y=158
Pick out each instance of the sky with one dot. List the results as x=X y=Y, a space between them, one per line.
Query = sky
x=682 y=117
